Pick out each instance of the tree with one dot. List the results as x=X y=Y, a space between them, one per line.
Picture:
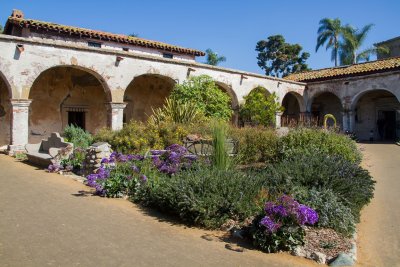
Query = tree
x=206 y=96
x=213 y=58
x=133 y=35
x=1 y=28
x=329 y=33
x=260 y=107
x=279 y=58
x=353 y=40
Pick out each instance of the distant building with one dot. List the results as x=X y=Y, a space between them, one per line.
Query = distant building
x=394 y=48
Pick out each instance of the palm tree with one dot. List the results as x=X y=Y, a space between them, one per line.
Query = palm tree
x=329 y=32
x=213 y=58
x=353 y=40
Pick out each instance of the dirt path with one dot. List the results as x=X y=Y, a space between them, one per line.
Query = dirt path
x=45 y=221
x=379 y=230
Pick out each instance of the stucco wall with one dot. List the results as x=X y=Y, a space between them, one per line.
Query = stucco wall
x=60 y=90
x=5 y=119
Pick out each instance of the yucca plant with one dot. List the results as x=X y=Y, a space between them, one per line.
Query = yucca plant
x=173 y=111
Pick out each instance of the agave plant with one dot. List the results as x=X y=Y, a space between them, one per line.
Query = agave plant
x=173 y=111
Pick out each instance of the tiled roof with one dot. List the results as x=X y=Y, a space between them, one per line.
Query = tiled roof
x=99 y=35
x=347 y=71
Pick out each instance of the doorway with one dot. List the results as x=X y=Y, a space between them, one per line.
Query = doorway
x=76 y=118
x=387 y=125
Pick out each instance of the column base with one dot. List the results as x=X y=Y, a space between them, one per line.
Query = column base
x=15 y=149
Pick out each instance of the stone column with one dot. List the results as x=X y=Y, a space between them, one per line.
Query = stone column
x=345 y=121
x=19 y=124
x=278 y=119
x=352 y=120
x=116 y=115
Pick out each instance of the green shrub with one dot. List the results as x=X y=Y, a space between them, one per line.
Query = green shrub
x=205 y=95
x=285 y=239
x=204 y=196
x=331 y=211
x=348 y=181
x=137 y=137
x=78 y=136
x=255 y=144
x=260 y=107
x=310 y=141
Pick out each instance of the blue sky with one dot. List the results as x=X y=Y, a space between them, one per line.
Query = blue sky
x=231 y=28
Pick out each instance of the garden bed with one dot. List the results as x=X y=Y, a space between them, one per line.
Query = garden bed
x=316 y=172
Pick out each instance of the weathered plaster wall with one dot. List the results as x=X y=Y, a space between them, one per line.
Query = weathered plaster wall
x=107 y=45
x=5 y=115
x=143 y=94
x=59 y=90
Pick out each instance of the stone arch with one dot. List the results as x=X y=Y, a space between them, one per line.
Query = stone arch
x=376 y=114
x=98 y=76
x=234 y=100
x=294 y=108
x=144 y=93
x=324 y=103
x=65 y=94
x=5 y=111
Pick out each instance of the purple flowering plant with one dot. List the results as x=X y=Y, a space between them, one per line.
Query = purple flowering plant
x=278 y=228
x=287 y=211
x=173 y=159
x=121 y=174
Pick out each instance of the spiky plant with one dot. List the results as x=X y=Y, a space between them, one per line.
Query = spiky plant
x=173 y=111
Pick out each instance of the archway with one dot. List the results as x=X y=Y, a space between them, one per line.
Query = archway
x=234 y=101
x=66 y=95
x=376 y=115
x=326 y=103
x=144 y=93
x=293 y=105
x=253 y=112
x=5 y=113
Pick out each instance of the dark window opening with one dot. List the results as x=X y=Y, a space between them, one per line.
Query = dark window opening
x=125 y=49
x=94 y=44
x=77 y=119
x=167 y=55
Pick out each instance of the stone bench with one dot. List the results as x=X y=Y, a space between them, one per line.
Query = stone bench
x=41 y=154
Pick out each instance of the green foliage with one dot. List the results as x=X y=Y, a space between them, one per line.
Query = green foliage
x=260 y=107
x=279 y=58
x=309 y=141
x=75 y=160
x=255 y=144
x=348 y=181
x=204 y=196
x=1 y=28
x=332 y=212
x=285 y=239
x=220 y=156
x=79 y=137
x=205 y=95
x=175 y=112
x=138 y=137
x=213 y=58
